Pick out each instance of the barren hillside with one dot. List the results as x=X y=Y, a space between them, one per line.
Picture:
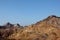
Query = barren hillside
x=47 y=29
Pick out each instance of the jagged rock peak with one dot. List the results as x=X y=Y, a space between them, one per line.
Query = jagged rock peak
x=51 y=16
x=50 y=19
x=8 y=23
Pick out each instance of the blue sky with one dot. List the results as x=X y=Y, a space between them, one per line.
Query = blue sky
x=26 y=12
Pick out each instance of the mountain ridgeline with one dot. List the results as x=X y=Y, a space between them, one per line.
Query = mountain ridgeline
x=47 y=29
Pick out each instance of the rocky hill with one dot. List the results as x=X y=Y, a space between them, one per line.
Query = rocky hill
x=47 y=29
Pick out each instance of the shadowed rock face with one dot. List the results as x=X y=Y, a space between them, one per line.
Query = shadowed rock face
x=7 y=30
x=47 y=29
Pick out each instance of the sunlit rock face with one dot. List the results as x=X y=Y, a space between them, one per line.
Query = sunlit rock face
x=47 y=29
x=53 y=20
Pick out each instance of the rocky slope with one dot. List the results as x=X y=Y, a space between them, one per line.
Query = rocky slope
x=47 y=29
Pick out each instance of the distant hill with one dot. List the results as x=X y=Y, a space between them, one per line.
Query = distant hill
x=47 y=29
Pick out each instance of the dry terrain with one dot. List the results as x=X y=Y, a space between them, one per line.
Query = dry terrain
x=47 y=29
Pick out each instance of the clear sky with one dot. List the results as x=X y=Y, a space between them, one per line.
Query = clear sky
x=26 y=12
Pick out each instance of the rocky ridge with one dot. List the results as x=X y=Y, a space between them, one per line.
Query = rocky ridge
x=47 y=29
